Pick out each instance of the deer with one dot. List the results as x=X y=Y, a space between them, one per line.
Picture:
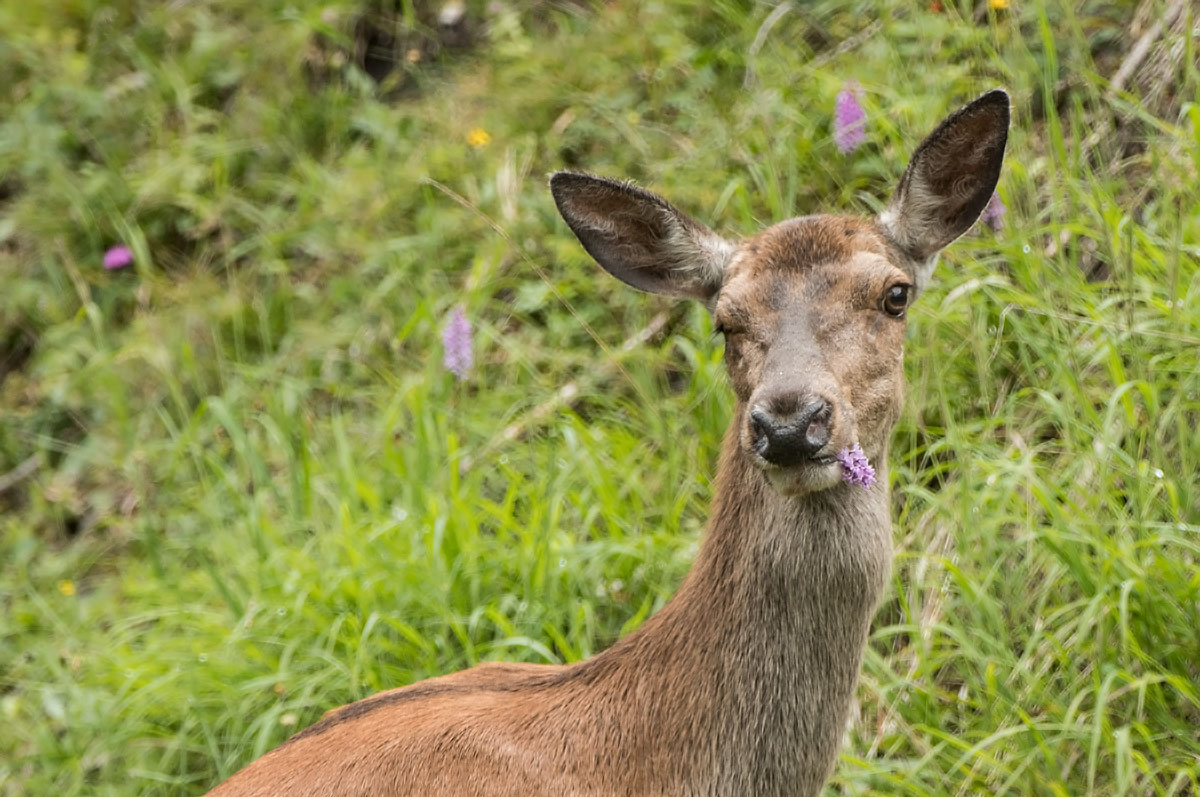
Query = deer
x=742 y=683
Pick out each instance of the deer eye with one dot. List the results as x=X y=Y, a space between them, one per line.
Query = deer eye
x=895 y=301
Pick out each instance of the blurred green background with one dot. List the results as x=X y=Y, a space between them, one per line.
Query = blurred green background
x=238 y=488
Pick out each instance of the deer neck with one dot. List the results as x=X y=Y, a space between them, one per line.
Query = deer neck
x=752 y=666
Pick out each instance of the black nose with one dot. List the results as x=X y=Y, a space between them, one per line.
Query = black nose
x=787 y=439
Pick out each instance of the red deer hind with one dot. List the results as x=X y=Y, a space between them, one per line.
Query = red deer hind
x=741 y=684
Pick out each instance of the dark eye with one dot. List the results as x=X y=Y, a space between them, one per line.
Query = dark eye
x=895 y=301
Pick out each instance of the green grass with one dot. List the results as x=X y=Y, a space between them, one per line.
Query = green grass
x=247 y=507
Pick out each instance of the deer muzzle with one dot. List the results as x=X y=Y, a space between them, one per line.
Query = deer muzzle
x=791 y=438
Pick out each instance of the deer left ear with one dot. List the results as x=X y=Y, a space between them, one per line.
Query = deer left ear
x=949 y=181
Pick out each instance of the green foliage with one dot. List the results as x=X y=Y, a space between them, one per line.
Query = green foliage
x=255 y=495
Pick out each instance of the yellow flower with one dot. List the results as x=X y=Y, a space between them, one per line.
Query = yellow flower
x=997 y=4
x=478 y=138
x=66 y=587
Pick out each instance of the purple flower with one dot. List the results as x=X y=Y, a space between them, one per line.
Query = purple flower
x=456 y=340
x=855 y=467
x=993 y=214
x=849 y=119
x=119 y=256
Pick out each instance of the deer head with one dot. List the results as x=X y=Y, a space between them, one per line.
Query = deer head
x=813 y=309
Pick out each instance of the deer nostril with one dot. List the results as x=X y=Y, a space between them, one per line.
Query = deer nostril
x=818 y=431
x=760 y=423
x=760 y=420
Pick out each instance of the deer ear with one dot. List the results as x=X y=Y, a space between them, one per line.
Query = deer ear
x=949 y=180
x=640 y=238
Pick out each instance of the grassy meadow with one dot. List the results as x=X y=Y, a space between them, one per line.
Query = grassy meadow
x=238 y=487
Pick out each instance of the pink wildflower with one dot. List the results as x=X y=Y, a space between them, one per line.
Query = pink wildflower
x=118 y=256
x=456 y=341
x=855 y=467
x=993 y=214
x=849 y=119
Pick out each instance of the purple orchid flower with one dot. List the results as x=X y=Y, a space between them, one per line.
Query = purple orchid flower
x=456 y=342
x=993 y=214
x=118 y=256
x=855 y=467
x=849 y=119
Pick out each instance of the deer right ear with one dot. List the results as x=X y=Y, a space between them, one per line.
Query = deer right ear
x=640 y=238
x=949 y=181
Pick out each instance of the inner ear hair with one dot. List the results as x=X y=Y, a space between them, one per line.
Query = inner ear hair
x=641 y=238
x=949 y=180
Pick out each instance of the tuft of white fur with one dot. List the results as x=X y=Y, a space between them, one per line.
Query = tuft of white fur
x=699 y=254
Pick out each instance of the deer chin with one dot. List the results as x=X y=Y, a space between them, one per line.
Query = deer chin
x=807 y=477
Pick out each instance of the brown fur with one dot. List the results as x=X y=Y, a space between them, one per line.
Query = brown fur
x=741 y=684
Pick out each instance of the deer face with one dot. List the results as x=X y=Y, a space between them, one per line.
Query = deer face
x=813 y=309
x=813 y=313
